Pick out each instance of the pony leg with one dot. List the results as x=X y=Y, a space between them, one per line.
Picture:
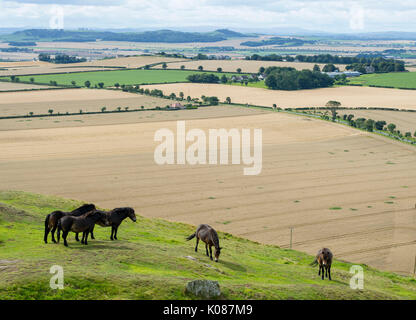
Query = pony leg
x=92 y=233
x=115 y=232
x=53 y=233
x=329 y=273
x=112 y=232
x=77 y=237
x=59 y=235
x=206 y=248
x=86 y=237
x=64 y=235
x=210 y=253
x=83 y=237
x=196 y=247
x=319 y=272
x=323 y=272
x=45 y=237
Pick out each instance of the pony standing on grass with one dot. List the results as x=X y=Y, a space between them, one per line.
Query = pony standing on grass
x=115 y=217
x=83 y=224
x=324 y=259
x=51 y=221
x=207 y=234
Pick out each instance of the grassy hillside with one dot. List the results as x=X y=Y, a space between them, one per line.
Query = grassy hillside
x=394 y=79
x=149 y=261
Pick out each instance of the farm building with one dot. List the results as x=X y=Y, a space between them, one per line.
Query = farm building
x=177 y=105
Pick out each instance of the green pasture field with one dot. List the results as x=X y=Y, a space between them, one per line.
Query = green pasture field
x=109 y=78
x=395 y=79
x=152 y=260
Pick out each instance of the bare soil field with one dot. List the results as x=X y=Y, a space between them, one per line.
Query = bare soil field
x=38 y=67
x=336 y=186
x=405 y=121
x=8 y=86
x=245 y=65
x=349 y=96
x=73 y=100
x=126 y=117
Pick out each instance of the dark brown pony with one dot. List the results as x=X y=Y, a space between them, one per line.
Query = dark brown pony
x=115 y=217
x=324 y=260
x=207 y=234
x=51 y=221
x=83 y=224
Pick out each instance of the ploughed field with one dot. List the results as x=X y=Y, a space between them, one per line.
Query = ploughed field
x=124 y=117
x=335 y=186
x=73 y=100
x=349 y=96
x=40 y=67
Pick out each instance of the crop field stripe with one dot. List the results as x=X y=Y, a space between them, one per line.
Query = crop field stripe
x=110 y=77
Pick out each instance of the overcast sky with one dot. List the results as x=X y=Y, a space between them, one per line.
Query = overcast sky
x=323 y=15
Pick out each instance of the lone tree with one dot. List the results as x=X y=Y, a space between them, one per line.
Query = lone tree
x=32 y=79
x=50 y=111
x=117 y=85
x=181 y=95
x=101 y=85
x=182 y=67
x=239 y=70
x=87 y=84
x=333 y=105
x=262 y=69
x=316 y=68
x=73 y=83
x=228 y=100
x=219 y=69
x=391 y=127
x=103 y=109
x=200 y=68
x=224 y=79
x=164 y=65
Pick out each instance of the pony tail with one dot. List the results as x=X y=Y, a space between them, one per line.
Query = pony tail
x=191 y=236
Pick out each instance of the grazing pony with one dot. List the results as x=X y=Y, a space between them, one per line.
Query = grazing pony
x=82 y=224
x=324 y=259
x=51 y=221
x=115 y=217
x=207 y=234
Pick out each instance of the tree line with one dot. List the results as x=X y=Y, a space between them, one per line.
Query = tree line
x=358 y=63
x=60 y=58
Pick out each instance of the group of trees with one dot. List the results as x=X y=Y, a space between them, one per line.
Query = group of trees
x=60 y=58
x=203 y=78
x=285 y=78
x=270 y=57
x=378 y=65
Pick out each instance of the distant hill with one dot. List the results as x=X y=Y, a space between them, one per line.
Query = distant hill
x=168 y=36
x=283 y=42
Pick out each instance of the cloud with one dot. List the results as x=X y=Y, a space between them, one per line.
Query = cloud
x=323 y=15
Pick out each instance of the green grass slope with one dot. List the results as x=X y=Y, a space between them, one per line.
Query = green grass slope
x=149 y=261
x=394 y=79
x=109 y=78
